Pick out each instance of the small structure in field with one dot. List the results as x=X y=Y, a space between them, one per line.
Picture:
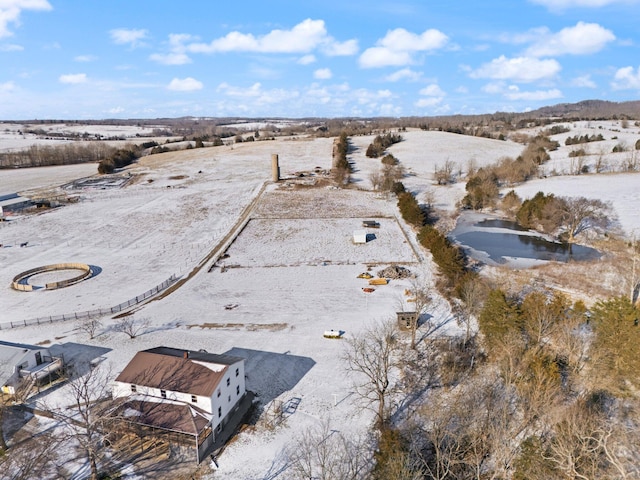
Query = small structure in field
x=360 y=236
x=406 y=320
x=333 y=333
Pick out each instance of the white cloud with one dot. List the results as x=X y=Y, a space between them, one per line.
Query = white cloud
x=85 y=58
x=322 y=74
x=124 y=36
x=404 y=74
x=432 y=90
x=7 y=87
x=307 y=59
x=383 y=57
x=584 y=82
x=340 y=49
x=625 y=79
x=397 y=46
x=429 y=102
x=494 y=88
x=188 y=84
x=255 y=97
x=73 y=78
x=519 y=69
x=302 y=38
x=253 y=91
x=565 y=4
x=10 y=12
x=434 y=96
x=176 y=55
x=174 y=58
x=11 y=47
x=514 y=93
x=583 y=39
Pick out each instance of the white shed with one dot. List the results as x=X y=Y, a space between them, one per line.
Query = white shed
x=360 y=236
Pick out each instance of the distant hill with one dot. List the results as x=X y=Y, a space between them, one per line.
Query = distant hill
x=590 y=109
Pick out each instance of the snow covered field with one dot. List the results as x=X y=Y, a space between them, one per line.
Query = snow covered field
x=290 y=274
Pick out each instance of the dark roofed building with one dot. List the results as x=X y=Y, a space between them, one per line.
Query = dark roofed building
x=185 y=392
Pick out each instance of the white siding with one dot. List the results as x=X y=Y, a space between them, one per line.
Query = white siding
x=226 y=401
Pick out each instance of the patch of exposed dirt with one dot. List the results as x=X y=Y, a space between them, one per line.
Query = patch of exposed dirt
x=252 y=327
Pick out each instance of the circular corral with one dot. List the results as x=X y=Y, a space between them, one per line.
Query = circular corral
x=21 y=281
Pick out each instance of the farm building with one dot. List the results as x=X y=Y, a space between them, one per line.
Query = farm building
x=23 y=367
x=360 y=236
x=181 y=396
x=13 y=203
x=406 y=320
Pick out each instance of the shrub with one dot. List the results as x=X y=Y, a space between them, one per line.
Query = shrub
x=381 y=143
x=580 y=152
x=410 y=210
x=398 y=188
x=389 y=159
x=482 y=190
x=449 y=258
x=619 y=147
x=538 y=210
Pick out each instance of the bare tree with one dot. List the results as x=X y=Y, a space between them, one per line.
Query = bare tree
x=90 y=326
x=4 y=405
x=579 y=214
x=85 y=419
x=376 y=180
x=443 y=175
x=325 y=454
x=34 y=456
x=371 y=355
x=472 y=294
x=131 y=325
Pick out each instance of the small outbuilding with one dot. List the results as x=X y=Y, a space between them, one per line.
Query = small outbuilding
x=360 y=236
x=406 y=320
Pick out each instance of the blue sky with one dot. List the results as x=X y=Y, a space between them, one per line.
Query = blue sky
x=89 y=59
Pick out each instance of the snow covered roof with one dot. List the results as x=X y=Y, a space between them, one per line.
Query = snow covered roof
x=177 y=370
x=173 y=416
x=11 y=354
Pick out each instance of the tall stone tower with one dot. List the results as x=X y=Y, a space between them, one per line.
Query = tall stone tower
x=275 y=167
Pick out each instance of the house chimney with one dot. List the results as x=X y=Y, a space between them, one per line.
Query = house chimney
x=185 y=355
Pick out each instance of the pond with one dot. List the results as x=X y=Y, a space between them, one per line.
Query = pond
x=499 y=242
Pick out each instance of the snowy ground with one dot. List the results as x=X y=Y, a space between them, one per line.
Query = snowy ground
x=290 y=274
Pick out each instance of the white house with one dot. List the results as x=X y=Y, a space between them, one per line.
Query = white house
x=360 y=236
x=193 y=393
x=20 y=362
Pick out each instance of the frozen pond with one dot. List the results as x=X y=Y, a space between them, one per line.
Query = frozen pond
x=501 y=242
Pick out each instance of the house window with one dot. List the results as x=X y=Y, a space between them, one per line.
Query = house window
x=218 y=392
x=228 y=382
x=133 y=389
x=238 y=390
x=229 y=398
x=163 y=393
x=219 y=428
x=219 y=412
x=194 y=399
x=237 y=372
